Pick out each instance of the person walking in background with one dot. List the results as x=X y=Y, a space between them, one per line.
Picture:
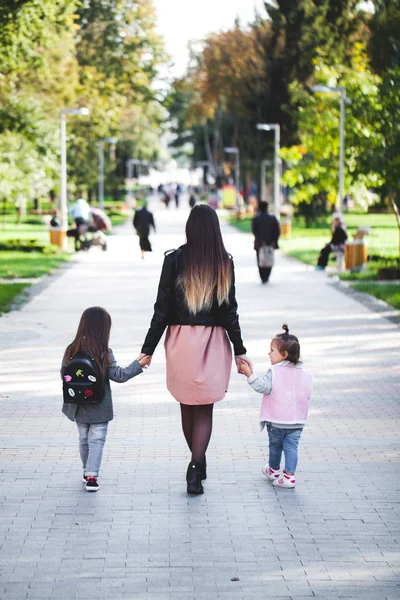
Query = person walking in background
x=337 y=243
x=192 y=199
x=142 y=221
x=178 y=192
x=166 y=199
x=196 y=300
x=266 y=230
x=94 y=366
x=287 y=390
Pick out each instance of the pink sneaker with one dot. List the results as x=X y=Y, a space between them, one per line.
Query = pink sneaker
x=285 y=481
x=271 y=473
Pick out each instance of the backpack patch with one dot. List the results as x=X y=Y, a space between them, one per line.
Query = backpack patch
x=82 y=380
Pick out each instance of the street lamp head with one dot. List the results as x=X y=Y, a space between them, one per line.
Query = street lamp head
x=75 y=111
x=232 y=150
x=322 y=88
x=267 y=126
x=327 y=88
x=111 y=140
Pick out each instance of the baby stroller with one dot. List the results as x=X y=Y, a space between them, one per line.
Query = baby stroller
x=87 y=235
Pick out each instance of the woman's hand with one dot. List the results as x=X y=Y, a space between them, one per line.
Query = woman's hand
x=243 y=360
x=144 y=360
x=245 y=369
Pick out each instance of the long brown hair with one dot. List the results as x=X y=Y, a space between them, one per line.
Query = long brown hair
x=207 y=271
x=93 y=337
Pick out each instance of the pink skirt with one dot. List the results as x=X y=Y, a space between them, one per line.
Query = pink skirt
x=199 y=361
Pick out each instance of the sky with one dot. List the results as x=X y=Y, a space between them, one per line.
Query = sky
x=182 y=20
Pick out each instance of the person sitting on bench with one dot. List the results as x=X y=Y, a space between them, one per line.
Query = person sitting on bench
x=339 y=237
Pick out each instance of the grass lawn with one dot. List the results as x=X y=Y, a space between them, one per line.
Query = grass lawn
x=24 y=231
x=29 y=264
x=118 y=218
x=305 y=243
x=388 y=292
x=8 y=294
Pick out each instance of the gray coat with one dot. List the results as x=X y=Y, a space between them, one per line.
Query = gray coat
x=103 y=412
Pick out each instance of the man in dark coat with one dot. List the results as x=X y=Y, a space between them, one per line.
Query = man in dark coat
x=266 y=230
x=337 y=243
x=142 y=221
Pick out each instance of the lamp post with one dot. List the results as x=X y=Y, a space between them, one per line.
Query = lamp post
x=343 y=100
x=264 y=163
x=110 y=140
x=277 y=130
x=63 y=173
x=129 y=175
x=204 y=164
x=234 y=150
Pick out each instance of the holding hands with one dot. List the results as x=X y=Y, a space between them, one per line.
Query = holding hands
x=144 y=360
x=244 y=365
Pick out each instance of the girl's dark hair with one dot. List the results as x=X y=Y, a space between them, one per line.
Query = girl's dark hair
x=207 y=271
x=93 y=337
x=286 y=342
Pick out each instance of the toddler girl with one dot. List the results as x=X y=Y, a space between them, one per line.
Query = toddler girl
x=91 y=342
x=287 y=390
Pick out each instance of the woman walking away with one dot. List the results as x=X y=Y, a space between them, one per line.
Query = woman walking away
x=86 y=370
x=196 y=300
x=142 y=221
x=287 y=390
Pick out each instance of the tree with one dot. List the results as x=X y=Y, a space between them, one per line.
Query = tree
x=314 y=163
x=245 y=76
x=54 y=54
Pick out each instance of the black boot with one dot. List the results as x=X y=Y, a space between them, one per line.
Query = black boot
x=193 y=478
x=203 y=470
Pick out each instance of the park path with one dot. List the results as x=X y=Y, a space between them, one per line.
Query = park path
x=140 y=537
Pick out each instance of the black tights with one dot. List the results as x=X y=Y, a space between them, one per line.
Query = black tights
x=197 y=428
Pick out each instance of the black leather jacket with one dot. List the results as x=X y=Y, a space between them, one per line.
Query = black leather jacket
x=171 y=309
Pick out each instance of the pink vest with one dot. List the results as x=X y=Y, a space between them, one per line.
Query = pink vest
x=290 y=396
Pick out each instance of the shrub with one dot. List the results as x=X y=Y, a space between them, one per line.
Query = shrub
x=28 y=246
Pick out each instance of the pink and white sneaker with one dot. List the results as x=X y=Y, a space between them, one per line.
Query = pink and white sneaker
x=271 y=473
x=285 y=481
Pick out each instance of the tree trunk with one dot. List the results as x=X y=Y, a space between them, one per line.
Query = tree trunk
x=396 y=212
x=207 y=145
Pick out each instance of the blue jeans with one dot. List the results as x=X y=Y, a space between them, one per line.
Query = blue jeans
x=92 y=438
x=286 y=440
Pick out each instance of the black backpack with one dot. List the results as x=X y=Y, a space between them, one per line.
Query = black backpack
x=82 y=380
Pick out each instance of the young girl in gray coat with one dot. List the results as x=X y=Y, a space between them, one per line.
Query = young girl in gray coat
x=92 y=420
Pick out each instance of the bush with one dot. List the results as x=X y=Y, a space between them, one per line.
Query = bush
x=32 y=220
x=28 y=246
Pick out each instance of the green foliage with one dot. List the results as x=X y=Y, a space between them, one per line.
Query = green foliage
x=370 y=273
x=314 y=163
x=55 y=54
x=14 y=264
x=24 y=230
x=32 y=245
x=29 y=28
x=390 y=293
x=385 y=39
x=11 y=295
x=246 y=76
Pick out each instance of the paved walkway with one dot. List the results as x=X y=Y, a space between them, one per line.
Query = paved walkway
x=140 y=537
